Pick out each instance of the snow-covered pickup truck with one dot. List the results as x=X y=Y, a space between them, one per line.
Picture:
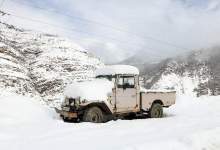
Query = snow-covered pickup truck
x=114 y=93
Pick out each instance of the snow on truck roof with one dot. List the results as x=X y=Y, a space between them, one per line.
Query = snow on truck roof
x=117 y=69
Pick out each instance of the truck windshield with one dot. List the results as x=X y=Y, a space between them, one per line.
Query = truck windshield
x=126 y=82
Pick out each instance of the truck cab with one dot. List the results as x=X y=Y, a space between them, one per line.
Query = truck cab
x=125 y=93
x=115 y=92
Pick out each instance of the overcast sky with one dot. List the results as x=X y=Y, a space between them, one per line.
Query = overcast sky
x=117 y=29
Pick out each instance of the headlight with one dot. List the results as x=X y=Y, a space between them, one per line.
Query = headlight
x=74 y=101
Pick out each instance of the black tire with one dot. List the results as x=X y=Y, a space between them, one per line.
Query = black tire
x=66 y=119
x=156 y=111
x=93 y=114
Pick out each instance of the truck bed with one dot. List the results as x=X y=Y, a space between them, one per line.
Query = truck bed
x=167 y=98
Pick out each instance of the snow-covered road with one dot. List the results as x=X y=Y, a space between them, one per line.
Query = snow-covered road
x=191 y=124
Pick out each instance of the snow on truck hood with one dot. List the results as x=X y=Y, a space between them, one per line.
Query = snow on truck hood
x=117 y=69
x=96 y=89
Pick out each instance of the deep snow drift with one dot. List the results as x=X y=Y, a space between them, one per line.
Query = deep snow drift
x=21 y=110
x=191 y=124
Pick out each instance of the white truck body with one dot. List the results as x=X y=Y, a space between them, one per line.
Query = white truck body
x=116 y=92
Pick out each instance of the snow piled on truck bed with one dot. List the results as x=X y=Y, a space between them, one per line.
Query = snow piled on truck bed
x=191 y=124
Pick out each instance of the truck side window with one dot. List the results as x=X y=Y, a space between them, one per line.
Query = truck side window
x=120 y=83
x=126 y=82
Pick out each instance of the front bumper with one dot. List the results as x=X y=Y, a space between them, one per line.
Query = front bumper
x=67 y=114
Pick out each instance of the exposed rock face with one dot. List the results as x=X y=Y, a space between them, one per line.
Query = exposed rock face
x=41 y=64
x=197 y=73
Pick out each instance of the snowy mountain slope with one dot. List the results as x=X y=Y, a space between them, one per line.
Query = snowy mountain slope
x=41 y=64
x=191 y=124
x=196 y=73
x=14 y=76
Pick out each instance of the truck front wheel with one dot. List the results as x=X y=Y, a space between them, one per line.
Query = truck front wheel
x=93 y=114
x=156 y=111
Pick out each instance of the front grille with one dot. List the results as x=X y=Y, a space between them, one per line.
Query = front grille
x=71 y=100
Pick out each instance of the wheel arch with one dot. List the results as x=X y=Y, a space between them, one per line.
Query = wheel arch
x=158 y=101
x=100 y=105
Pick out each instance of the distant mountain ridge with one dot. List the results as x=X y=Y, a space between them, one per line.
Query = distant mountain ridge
x=196 y=73
x=40 y=64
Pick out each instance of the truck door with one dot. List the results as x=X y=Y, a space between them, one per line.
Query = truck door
x=126 y=94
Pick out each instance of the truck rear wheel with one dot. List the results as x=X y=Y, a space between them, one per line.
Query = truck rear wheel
x=156 y=111
x=93 y=114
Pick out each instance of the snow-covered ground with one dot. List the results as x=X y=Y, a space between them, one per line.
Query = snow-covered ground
x=191 y=124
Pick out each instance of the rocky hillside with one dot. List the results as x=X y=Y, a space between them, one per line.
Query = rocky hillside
x=40 y=64
x=196 y=73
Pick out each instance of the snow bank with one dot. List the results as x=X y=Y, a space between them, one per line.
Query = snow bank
x=206 y=140
x=117 y=69
x=16 y=109
x=191 y=124
x=96 y=89
x=189 y=106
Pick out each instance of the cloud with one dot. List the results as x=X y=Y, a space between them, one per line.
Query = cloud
x=34 y=19
x=122 y=28
x=109 y=52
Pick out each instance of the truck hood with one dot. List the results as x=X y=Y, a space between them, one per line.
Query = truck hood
x=94 y=90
